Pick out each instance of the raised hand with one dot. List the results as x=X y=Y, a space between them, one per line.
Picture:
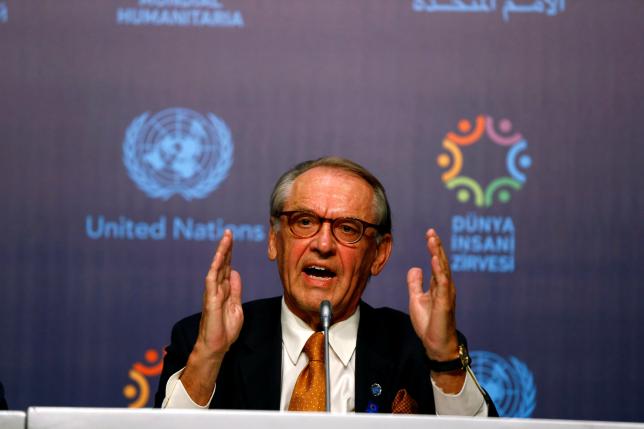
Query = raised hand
x=222 y=316
x=221 y=321
x=433 y=312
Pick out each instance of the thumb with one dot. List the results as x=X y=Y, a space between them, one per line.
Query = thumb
x=415 y=281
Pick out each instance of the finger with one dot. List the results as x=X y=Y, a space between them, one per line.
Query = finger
x=235 y=287
x=224 y=275
x=432 y=279
x=433 y=284
x=220 y=253
x=441 y=282
x=212 y=275
x=229 y=257
x=435 y=246
x=415 y=281
x=224 y=251
x=437 y=270
x=433 y=242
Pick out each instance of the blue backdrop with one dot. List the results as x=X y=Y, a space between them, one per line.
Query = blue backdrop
x=133 y=131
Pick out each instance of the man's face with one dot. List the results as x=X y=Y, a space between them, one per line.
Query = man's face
x=319 y=267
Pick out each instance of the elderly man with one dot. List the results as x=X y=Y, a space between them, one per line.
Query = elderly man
x=330 y=231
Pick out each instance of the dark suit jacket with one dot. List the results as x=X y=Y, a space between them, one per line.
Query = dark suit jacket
x=388 y=354
x=3 y=402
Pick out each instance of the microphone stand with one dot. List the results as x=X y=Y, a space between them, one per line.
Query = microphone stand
x=325 y=317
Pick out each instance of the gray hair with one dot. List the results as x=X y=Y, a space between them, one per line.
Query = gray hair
x=282 y=188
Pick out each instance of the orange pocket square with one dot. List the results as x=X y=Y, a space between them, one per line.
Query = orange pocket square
x=404 y=404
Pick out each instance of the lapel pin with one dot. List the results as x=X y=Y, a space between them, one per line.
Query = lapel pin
x=376 y=389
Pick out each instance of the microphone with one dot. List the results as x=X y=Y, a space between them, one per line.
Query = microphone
x=326 y=314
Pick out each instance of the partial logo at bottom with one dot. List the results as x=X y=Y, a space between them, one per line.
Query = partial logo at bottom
x=4 y=12
x=508 y=381
x=140 y=373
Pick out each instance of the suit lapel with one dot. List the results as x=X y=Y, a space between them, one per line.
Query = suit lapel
x=373 y=369
x=260 y=360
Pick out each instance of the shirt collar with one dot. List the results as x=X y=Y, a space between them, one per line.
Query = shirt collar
x=342 y=335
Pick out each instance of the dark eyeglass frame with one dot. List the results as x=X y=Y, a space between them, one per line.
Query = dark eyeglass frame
x=321 y=220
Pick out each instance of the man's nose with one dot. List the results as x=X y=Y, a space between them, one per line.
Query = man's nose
x=324 y=241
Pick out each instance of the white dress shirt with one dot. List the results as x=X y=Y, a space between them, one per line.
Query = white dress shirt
x=342 y=343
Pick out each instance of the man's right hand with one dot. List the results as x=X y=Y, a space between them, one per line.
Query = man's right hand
x=221 y=320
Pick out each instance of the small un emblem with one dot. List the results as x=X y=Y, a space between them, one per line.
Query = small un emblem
x=177 y=151
x=509 y=382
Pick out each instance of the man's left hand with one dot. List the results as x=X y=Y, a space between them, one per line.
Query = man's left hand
x=433 y=313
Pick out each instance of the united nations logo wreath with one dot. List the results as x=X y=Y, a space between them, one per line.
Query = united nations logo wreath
x=529 y=390
x=152 y=187
x=509 y=382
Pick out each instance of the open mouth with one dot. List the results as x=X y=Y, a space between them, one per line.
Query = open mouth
x=319 y=272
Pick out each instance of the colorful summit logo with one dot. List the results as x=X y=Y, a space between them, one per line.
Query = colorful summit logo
x=484 y=163
x=140 y=373
x=484 y=131
x=177 y=151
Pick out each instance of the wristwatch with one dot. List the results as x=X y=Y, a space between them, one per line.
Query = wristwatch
x=460 y=363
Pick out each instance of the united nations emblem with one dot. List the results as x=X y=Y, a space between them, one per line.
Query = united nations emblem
x=509 y=382
x=177 y=151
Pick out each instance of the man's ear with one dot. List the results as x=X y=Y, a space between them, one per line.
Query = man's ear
x=383 y=251
x=272 y=242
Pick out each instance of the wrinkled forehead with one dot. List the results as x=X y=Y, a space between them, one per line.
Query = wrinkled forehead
x=333 y=190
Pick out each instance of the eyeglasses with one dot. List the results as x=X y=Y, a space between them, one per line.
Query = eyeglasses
x=346 y=230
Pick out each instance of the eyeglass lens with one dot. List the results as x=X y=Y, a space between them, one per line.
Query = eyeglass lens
x=306 y=225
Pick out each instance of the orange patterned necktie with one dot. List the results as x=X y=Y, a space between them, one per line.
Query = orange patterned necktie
x=309 y=393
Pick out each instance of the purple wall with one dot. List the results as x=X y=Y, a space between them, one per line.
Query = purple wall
x=549 y=264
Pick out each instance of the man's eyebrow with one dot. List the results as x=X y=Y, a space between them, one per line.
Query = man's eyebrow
x=301 y=209
x=311 y=211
